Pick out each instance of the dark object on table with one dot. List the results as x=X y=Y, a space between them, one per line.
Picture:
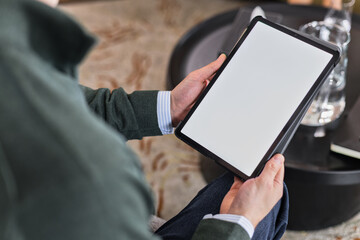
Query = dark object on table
x=324 y=187
x=347 y=137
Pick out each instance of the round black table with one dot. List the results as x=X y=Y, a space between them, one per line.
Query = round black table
x=324 y=187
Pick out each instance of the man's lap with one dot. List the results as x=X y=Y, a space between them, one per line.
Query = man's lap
x=209 y=199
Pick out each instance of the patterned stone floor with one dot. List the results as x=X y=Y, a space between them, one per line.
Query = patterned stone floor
x=136 y=38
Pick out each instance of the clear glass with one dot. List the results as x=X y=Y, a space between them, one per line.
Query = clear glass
x=329 y=103
x=340 y=12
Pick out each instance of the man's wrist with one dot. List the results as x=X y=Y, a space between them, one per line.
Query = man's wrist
x=241 y=220
x=164 y=112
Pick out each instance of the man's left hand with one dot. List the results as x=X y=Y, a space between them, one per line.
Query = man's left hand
x=184 y=95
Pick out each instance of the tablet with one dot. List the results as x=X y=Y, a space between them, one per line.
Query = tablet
x=256 y=100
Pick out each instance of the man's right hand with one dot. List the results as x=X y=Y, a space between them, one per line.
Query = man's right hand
x=255 y=198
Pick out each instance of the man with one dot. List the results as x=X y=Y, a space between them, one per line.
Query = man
x=66 y=174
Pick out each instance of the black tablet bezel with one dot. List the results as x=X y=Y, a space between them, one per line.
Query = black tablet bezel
x=280 y=143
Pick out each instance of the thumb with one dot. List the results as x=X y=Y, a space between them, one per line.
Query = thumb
x=272 y=168
x=209 y=70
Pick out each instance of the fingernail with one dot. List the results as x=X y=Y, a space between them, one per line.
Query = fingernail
x=279 y=159
x=223 y=54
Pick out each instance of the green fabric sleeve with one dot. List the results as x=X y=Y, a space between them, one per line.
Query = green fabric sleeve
x=133 y=115
x=209 y=229
x=65 y=173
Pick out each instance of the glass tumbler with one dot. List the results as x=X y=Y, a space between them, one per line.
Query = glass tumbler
x=340 y=12
x=329 y=103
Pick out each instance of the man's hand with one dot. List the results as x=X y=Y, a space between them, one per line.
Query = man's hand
x=255 y=198
x=184 y=95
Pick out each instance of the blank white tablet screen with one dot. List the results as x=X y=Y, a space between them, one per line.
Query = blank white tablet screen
x=255 y=96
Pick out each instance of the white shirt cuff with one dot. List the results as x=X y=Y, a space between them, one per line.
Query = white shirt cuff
x=164 y=113
x=241 y=220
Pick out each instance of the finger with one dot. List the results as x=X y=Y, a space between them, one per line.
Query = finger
x=209 y=70
x=237 y=179
x=279 y=178
x=272 y=167
x=211 y=77
x=237 y=182
x=207 y=83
